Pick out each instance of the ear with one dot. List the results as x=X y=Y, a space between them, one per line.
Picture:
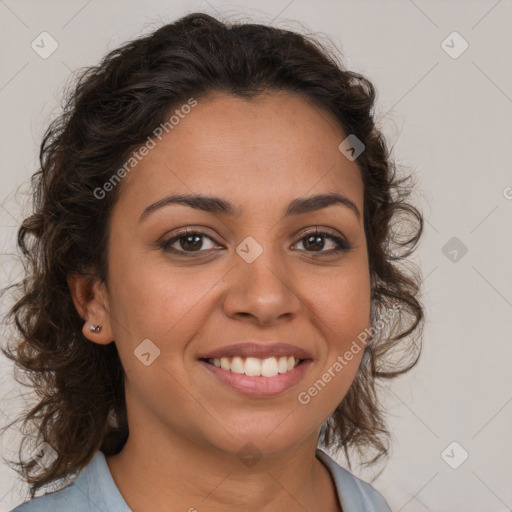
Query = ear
x=91 y=302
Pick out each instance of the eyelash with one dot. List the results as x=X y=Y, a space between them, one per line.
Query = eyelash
x=342 y=245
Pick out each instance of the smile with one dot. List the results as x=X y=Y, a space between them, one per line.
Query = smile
x=256 y=367
x=257 y=384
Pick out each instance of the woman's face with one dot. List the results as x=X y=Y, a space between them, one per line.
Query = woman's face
x=256 y=274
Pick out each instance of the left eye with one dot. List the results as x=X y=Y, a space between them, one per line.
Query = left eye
x=315 y=239
x=191 y=242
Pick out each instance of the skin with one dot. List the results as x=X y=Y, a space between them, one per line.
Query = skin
x=186 y=427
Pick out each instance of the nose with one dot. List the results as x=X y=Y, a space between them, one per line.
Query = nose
x=263 y=291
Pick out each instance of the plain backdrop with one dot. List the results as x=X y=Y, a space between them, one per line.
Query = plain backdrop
x=446 y=110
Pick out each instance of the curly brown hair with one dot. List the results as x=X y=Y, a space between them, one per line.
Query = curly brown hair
x=110 y=112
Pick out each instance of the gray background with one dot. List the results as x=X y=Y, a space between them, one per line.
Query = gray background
x=449 y=119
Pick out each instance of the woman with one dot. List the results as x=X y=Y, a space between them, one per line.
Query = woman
x=213 y=286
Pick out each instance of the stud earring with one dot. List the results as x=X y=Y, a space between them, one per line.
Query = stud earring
x=95 y=328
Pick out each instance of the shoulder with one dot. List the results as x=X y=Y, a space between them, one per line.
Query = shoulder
x=69 y=498
x=354 y=494
x=93 y=490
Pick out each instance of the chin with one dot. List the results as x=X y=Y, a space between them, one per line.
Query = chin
x=271 y=439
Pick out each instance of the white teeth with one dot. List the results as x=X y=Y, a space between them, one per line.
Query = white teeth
x=254 y=367
x=282 y=365
x=269 y=367
x=237 y=365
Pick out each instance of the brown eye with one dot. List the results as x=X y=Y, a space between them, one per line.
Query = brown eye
x=315 y=242
x=187 y=242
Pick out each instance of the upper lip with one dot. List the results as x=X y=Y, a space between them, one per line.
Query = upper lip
x=257 y=349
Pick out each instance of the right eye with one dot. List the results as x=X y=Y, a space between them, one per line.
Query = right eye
x=189 y=241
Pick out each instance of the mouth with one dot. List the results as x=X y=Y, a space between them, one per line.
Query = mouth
x=257 y=377
x=254 y=366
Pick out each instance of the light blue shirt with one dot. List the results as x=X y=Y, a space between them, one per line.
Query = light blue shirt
x=94 y=490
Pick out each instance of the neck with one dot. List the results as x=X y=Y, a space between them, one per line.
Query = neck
x=153 y=471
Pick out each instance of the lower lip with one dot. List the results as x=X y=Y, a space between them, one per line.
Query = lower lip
x=259 y=386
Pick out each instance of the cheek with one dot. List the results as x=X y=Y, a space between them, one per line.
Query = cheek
x=151 y=297
x=340 y=300
x=160 y=305
x=342 y=314
x=163 y=304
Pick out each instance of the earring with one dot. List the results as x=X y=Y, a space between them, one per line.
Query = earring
x=95 y=328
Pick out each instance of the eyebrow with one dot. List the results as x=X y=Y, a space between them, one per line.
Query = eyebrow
x=217 y=205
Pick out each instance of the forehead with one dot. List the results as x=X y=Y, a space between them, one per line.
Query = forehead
x=277 y=144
